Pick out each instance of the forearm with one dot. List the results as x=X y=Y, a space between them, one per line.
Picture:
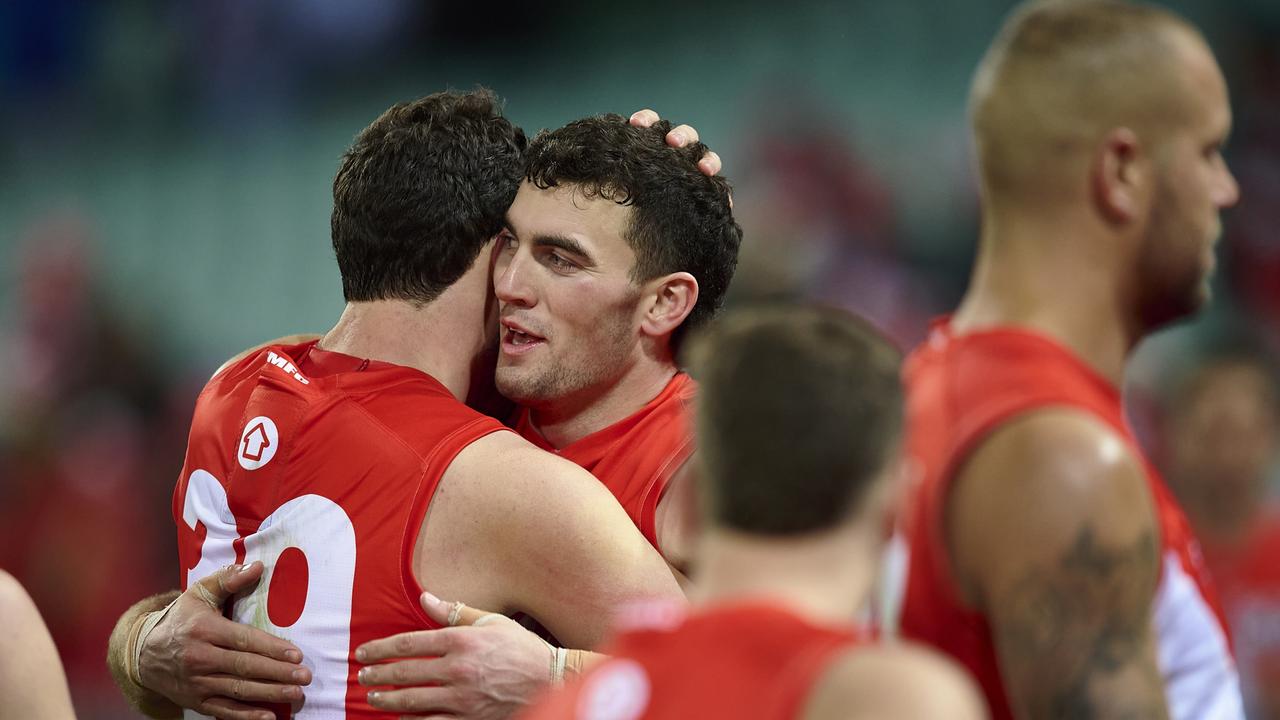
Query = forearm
x=121 y=650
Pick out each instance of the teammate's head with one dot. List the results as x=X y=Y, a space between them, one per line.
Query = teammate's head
x=1112 y=111
x=799 y=418
x=420 y=192
x=1222 y=426
x=615 y=245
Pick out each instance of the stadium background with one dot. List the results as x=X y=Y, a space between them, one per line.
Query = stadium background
x=165 y=173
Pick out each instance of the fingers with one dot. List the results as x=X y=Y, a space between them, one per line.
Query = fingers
x=411 y=644
x=644 y=118
x=226 y=709
x=246 y=691
x=415 y=700
x=710 y=164
x=256 y=667
x=450 y=613
x=405 y=672
x=682 y=135
x=216 y=587
x=232 y=635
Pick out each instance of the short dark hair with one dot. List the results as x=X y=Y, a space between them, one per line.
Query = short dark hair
x=419 y=193
x=681 y=219
x=800 y=408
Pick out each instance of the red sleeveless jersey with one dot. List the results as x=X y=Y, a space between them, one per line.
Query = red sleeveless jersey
x=321 y=465
x=959 y=390
x=636 y=457
x=737 y=661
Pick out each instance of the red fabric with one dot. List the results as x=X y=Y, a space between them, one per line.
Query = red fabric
x=636 y=457
x=738 y=661
x=1247 y=576
x=959 y=390
x=371 y=438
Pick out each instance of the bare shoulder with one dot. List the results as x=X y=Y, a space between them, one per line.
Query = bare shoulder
x=1043 y=483
x=505 y=465
x=895 y=682
x=15 y=604
x=31 y=677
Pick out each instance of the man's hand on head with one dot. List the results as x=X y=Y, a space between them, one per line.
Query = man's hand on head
x=200 y=660
x=480 y=666
x=679 y=136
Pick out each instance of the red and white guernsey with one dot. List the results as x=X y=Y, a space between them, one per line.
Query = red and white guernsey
x=321 y=465
x=735 y=661
x=960 y=389
x=636 y=457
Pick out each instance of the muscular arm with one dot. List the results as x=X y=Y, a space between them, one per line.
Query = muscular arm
x=32 y=681
x=554 y=543
x=1054 y=537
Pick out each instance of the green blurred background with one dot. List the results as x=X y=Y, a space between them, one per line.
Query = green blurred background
x=165 y=171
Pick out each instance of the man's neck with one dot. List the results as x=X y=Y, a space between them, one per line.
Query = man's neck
x=431 y=339
x=824 y=578
x=570 y=419
x=1026 y=277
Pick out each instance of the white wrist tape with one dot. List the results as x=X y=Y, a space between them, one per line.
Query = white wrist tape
x=558 y=657
x=148 y=624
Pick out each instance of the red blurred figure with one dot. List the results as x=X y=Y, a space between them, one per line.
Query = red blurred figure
x=1221 y=436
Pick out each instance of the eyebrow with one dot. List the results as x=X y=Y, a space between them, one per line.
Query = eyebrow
x=562 y=242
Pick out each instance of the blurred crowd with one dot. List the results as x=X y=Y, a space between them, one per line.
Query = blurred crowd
x=93 y=417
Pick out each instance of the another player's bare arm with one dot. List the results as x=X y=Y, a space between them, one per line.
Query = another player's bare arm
x=32 y=682
x=193 y=657
x=1054 y=536
x=570 y=554
x=554 y=544
x=894 y=682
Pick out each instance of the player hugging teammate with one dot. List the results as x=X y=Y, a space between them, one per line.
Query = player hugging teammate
x=1046 y=563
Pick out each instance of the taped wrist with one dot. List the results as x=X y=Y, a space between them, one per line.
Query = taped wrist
x=146 y=624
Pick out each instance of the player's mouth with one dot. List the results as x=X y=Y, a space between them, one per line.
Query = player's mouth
x=517 y=340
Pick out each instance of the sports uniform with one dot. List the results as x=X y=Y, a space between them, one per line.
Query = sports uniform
x=635 y=457
x=744 y=660
x=959 y=390
x=321 y=465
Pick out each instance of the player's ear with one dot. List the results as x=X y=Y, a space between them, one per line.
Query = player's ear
x=668 y=300
x=1119 y=176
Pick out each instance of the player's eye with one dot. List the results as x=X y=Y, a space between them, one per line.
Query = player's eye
x=560 y=263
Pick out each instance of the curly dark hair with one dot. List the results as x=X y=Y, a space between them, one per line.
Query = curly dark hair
x=681 y=219
x=419 y=193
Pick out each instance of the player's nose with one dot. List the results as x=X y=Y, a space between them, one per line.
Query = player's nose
x=510 y=281
x=1228 y=190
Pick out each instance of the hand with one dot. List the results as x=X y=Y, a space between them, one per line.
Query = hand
x=485 y=665
x=201 y=660
x=679 y=136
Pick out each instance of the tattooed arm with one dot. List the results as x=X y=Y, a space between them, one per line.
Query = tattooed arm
x=1054 y=538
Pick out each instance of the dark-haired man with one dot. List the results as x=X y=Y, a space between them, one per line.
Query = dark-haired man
x=351 y=468
x=1045 y=553
x=799 y=418
x=615 y=246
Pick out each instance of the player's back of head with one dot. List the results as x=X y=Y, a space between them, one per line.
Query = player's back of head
x=1059 y=75
x=800 y=411
x=681 y=219
x=420 y=192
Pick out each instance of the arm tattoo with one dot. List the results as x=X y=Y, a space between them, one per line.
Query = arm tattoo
x=1072 y=636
